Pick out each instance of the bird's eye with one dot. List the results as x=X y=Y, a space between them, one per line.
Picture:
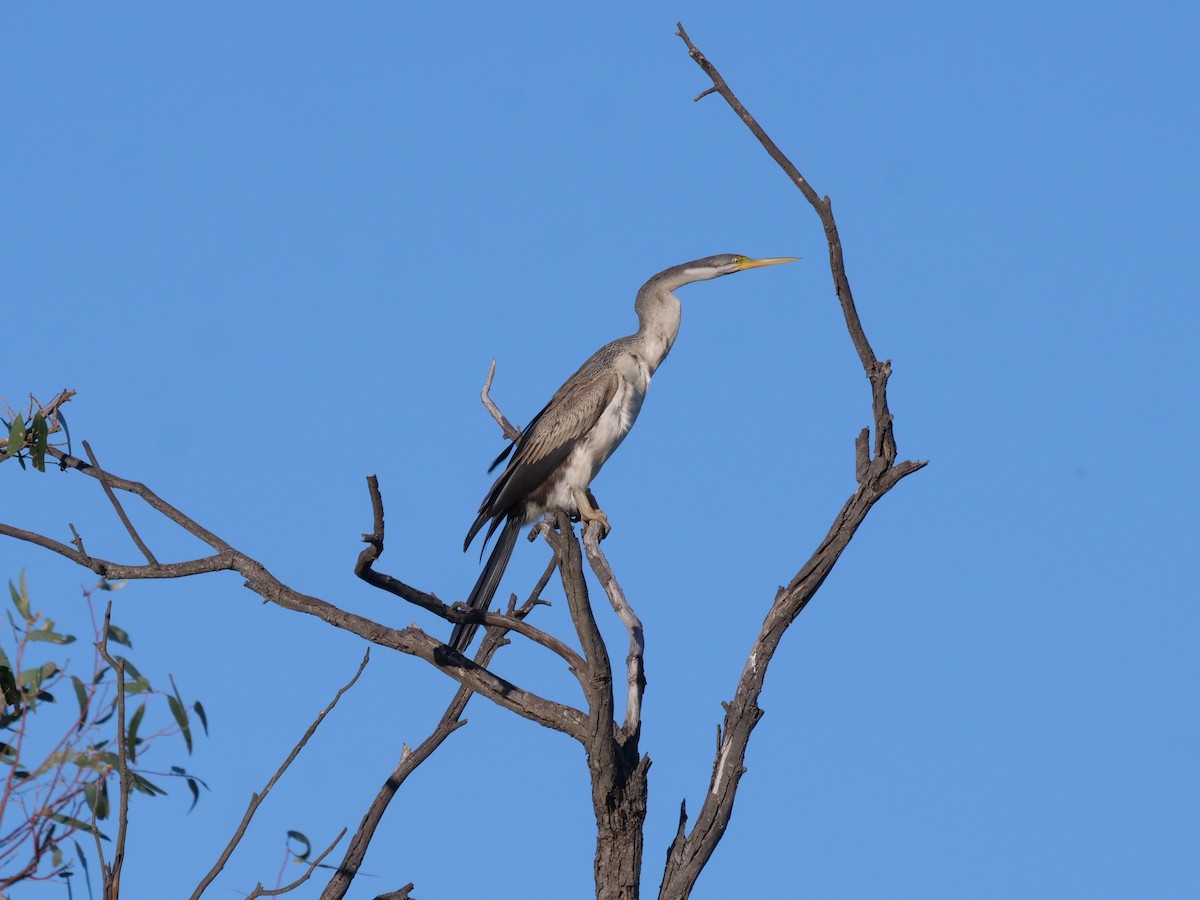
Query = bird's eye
x=737 y=260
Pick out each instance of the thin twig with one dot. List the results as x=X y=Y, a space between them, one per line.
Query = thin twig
x=117 y=506
x=257 y=799
x=260 y=891
x=511 y=432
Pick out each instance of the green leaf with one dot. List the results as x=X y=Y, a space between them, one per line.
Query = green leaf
x=82 y=863
x=71 y=822
x=194 y=788
x=183 y=773
x=81 y=694
x=120 y=636
x=16 y=436
x=49 y=635
x=20 y=598
x=56 y=857
x=95 y=794
x=149 y=788
x=200 y=715
x=181 y=719
x=138 y=677
x=62 y=420
x=41 y=437
x=303 y=841
x=130 y=668
x=131 y=738
x=8 y=683
x=34 y=678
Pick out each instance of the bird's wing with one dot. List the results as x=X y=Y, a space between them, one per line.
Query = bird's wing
x=548 y=440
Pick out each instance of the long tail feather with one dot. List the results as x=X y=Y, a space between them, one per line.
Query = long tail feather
x=489 y=580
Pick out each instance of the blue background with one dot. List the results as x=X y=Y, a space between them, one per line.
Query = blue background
x=274 y=246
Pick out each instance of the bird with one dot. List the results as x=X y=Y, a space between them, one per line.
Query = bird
x=552 y=464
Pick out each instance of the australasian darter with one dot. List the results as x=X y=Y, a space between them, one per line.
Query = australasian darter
x=559 y=453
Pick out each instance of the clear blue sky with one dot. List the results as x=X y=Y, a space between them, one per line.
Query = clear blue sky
x=274 y=247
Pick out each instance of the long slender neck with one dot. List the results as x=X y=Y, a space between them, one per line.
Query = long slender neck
x=658 y=312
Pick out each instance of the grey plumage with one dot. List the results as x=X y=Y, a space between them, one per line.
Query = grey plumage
x=558 y=454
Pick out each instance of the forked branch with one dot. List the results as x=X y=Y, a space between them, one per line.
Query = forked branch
x=690 y=852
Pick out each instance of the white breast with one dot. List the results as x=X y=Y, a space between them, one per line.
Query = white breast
x=605 y=437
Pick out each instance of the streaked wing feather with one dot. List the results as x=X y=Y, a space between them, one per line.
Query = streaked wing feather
x=571 y=413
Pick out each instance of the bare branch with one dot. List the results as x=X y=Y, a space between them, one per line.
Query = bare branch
x=450 y=722
x=877 y=372
x=511 y=432
x=411 y=640
x=260 y=891
x=635 y=669
x=689 y=853
x=257 y=799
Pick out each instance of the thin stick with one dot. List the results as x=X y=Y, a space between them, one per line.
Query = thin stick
x=511 y=432
x=117 y=506
x=260 y=891
x=256 y=799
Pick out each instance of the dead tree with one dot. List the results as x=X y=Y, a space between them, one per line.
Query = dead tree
x=616 y=764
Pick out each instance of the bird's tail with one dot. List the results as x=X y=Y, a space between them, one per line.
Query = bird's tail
x=489 y=580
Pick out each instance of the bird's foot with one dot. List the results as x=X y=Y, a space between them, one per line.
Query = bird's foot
x=585 y=503
x=596 y=515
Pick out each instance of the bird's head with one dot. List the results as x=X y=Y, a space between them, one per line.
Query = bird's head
x=727 y=264
x=708 y=267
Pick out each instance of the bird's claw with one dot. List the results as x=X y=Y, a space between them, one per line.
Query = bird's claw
x=597 y=515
